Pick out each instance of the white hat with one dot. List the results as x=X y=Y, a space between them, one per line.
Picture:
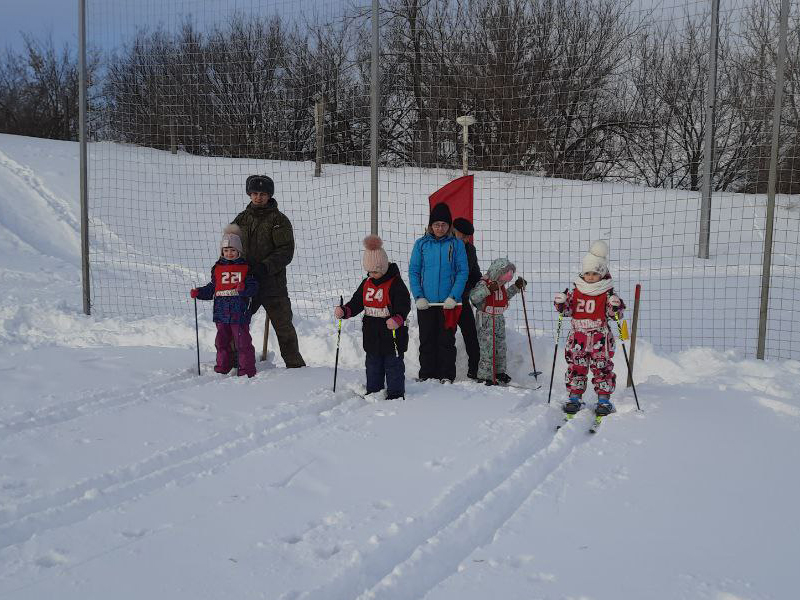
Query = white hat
x=231 y=238
x=597 y=259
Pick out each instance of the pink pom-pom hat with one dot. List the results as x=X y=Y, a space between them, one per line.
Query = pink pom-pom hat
x=375 y=258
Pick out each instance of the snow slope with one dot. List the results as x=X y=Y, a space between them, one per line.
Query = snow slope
x=157 y=217
x=124 y=474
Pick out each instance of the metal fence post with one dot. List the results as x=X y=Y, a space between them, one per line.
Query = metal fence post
x=84 y=187
x=374 y=108
x=773 y=180
x=708 y=143
x=319 y=123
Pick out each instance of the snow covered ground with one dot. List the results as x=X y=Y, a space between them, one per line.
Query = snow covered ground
x=125 y=475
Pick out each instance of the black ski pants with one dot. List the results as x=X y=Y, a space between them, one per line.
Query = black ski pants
x=437 y=345
x=469 y=332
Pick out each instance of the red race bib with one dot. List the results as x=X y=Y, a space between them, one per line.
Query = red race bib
x=588 y=307
x=227 y=278
x=376 y=298
x=496 y=302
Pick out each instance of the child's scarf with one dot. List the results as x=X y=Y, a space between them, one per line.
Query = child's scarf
x=593 y=289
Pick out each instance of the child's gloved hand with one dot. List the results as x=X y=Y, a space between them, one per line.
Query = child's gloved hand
x=338 y=312
x=193 y=293
x=520 y=283
x=449 y=304
x=422 y=303
x=240 y=287
x=560 y=298
x=493 y=286
x=392 y=323
x=615 y=302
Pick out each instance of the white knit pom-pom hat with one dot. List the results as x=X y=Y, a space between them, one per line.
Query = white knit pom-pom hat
x=596 y=261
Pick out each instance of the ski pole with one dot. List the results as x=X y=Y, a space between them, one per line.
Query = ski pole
x=555 y=354
x=394 y=334
x=632 y=355
x=627 y=362
x=494 y=368
x=338 y=339
x=197 y=335
x=535 y=373
x=266 y=336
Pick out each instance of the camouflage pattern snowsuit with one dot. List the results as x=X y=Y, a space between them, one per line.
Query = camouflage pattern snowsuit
x=492 y=343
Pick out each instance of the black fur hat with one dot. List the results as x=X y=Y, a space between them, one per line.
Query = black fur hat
x=260 y=183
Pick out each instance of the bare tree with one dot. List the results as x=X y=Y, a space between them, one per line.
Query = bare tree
x=39 y=90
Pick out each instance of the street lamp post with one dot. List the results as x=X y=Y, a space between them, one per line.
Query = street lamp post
x=465 y=121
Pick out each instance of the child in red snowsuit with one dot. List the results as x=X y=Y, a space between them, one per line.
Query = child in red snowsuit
x=232 y=286
x=590 y=345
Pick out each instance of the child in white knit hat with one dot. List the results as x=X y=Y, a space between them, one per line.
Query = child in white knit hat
x=590 y=345
x=384 y=298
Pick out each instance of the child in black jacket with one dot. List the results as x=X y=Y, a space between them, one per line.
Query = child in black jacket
x=384 y=298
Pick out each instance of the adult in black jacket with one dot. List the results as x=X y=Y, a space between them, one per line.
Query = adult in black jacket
x=386 y=302
x=463 y=229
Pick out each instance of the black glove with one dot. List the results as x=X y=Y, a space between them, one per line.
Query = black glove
x=493 y=286
x=520 y=283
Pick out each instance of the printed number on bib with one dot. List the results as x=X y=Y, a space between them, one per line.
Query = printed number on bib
x=586 y=306
x=234 y=277
x=374 y=295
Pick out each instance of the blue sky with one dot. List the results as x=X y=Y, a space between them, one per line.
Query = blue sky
x=40 y=18
x=60 y=17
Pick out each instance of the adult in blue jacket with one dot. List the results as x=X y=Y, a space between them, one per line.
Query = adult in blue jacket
x=438 y=273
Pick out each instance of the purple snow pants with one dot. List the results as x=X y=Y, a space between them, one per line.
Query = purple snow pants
x=240 y=334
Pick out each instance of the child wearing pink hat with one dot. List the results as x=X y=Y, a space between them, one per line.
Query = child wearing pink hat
x=385 y=301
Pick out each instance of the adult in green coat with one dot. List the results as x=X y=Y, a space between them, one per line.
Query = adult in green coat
x=268 y=242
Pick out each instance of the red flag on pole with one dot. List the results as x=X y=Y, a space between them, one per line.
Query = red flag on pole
x=457 y=195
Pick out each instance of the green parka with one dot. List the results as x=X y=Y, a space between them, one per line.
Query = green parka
x=268 y=243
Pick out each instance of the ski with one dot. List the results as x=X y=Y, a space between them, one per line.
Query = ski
x=519 y=387
x=598 y=419
x=567 y=418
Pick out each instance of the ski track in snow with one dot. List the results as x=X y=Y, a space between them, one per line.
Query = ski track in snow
x=180 y=464
x=100 y=401
x=59 y=207
x=412 y=558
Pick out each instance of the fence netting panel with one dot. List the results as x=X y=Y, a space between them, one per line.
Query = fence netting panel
x=590 y=124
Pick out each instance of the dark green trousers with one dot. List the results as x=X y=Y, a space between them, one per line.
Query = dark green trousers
x=279 y=309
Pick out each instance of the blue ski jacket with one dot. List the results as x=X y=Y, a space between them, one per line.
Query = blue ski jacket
x=438 y=268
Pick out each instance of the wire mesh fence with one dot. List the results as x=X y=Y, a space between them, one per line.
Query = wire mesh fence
x=590 y=123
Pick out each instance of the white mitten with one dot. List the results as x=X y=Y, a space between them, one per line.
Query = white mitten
x=422 y=303
x=560 y=298
x=449 y=304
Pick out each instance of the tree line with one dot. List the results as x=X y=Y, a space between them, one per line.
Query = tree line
x=579 y=89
